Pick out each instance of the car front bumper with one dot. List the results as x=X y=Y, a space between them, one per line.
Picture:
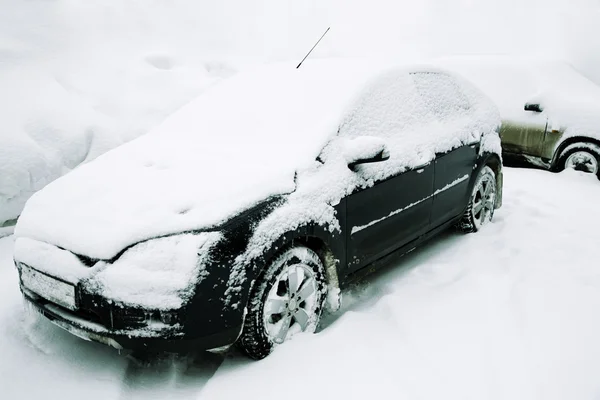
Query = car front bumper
x=157 y=337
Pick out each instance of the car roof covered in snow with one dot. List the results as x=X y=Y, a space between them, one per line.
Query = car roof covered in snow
x=512 y=81
x=237 y=144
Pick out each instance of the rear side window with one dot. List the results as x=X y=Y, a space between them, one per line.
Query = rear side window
x=441 y=94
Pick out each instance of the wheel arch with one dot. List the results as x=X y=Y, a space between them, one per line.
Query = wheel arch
x=327 y=245
x=566 y=143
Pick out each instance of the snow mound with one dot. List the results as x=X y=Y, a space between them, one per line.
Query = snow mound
x=52 y=127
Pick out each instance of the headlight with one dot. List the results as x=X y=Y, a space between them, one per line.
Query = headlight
x=158 y=274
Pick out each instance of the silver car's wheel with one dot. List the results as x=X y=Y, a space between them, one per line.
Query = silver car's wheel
x=581 y=157
x=482 y=202
x=287 y=299
x=582 y=160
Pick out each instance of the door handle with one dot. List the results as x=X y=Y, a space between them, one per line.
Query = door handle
x=420 y=171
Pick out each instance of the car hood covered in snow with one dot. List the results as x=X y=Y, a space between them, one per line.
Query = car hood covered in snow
x=239 y=143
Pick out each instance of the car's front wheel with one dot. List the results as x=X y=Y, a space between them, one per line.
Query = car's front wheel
x=482 y=202
x=581 y=157
x=287 y=299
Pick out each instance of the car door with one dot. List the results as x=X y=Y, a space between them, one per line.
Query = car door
x=393 y=205
x=452 y=108
x=451 y=183
x=388 y=215
x=524 y=135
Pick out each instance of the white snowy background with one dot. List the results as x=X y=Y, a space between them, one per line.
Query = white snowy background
x=509 y=313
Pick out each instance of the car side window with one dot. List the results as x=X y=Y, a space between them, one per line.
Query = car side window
x=441 y=94
x=389 y=107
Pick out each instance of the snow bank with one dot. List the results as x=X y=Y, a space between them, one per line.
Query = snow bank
x=76 y=82
x=54 y=125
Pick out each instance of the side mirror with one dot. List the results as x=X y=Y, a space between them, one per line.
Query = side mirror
x=535 y=107
x=365 y=150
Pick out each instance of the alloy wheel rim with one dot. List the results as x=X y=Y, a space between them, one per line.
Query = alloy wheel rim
x=483 y=201
x=290 y=307
x=582 y=161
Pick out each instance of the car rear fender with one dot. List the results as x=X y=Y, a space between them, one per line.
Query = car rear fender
x=561 y=146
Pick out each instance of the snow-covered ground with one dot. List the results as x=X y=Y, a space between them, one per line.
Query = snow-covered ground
x=510 y=312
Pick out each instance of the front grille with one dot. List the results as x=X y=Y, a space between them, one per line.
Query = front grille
x=88 y=315
x=128 y=318
x=111 y=317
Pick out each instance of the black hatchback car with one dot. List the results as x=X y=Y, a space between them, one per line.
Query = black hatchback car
x=242 y=216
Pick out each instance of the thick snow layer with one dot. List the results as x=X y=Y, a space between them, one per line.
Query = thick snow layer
x=413 y=116
x=158 y=274
x=231 y=148
x=75 y=82
x=507 y=313
x=53 y=261
x=254 y=136
x=570 y=101
x=513 y=81
x=51 y=128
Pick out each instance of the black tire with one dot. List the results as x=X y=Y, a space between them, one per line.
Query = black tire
x=475 y=216
x=588 y=150
x=256 y=340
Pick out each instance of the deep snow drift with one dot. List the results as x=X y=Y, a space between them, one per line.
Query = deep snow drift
x=510 y=312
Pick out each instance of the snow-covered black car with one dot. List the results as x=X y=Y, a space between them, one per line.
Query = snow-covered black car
x=242 y=216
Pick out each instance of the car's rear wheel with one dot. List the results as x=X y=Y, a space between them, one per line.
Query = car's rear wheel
x=583 y=157
x=286 y=300
x=482 y=202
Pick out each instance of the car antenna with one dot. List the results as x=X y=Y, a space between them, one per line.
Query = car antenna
x=308 y=54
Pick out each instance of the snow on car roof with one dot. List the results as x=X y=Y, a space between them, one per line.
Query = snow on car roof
x=512 y=81
x=570 y=100
x=237 y=144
